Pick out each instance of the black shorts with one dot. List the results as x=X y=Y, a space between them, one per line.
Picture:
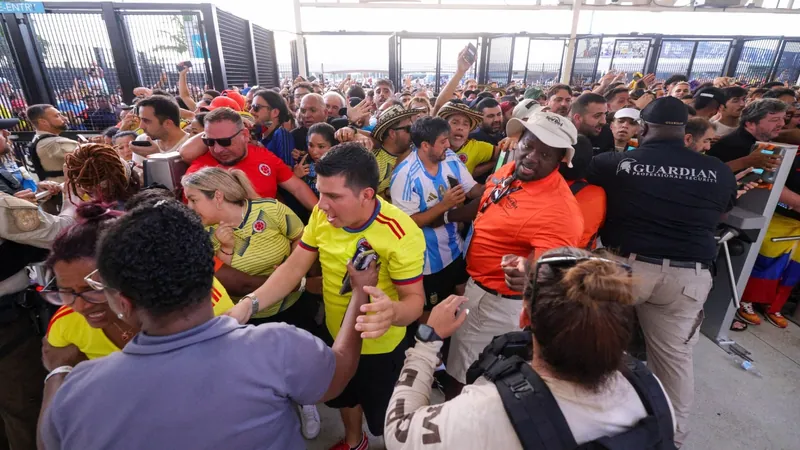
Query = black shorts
x=303 y=314
x=442 y=284
x=372 y=386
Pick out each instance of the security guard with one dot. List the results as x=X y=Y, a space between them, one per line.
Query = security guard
x=25 y=234
x=664 y=205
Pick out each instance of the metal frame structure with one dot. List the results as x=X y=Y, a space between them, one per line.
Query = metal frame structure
x=29 y=60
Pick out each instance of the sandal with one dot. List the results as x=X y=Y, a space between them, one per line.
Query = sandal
x=738 y=325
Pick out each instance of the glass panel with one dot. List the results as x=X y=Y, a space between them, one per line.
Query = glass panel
x=335 y=66
x=630 y=56
x=450 y=50
x=499 y=60
x=585 y=56
x=756 y=61
x=418 y=61
x=79 y=67
x=789 y=65
x=544 y=61
x=674 y=58
x=709 y=60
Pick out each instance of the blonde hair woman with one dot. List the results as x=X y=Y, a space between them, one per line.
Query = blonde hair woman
x=253 y=236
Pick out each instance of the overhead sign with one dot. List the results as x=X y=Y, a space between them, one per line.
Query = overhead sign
x=21 y=7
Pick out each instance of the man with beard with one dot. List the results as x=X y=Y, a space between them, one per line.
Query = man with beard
x=761 y=120
x=384 y=90
x=393 y=132
x=559 y=97
x=229 y=146
x=421 y=188
x=625 y=126
x=478 y=156
x=589 y=113
x=161 y=122
x=270 y=113
x=48 y=149
x=491 y=128
x=312 y=110
x=731 y=111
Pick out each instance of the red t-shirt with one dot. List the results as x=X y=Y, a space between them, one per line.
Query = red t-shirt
x=264 y=170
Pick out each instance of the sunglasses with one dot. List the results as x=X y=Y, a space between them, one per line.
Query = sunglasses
x=223 y=142
x=96 y=295
x=255 y=107
x=501 y=190
x=563 y=262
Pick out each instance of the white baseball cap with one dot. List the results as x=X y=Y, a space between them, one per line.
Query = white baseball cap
x=550 y=128
x=628 y=113
x=525 y=108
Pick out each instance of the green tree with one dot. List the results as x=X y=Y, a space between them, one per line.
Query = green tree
x=176 y=38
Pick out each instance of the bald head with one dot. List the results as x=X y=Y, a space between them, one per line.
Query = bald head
x=312 y=110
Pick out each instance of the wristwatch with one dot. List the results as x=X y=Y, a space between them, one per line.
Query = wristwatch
x=254 y=302
x=427 y=334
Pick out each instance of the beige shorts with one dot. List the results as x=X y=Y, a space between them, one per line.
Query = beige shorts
x=489 y=316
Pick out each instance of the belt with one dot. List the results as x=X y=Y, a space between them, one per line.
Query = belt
x=672 y=262
x=493 y=292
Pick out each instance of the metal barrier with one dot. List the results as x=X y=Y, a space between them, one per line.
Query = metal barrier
x=86 y=58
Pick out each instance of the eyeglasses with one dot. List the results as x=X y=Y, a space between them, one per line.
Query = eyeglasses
x=500 y=190
x=406 y=128
x=255 y=107
x=96 y=295
x=562 y=262
x=223 y=142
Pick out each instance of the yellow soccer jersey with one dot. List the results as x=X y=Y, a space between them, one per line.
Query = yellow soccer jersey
x=400 y=246
x=264 y=241
x=386 y=163
x=68 y=327
x=474 y=153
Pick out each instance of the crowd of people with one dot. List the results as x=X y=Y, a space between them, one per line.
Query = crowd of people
x=357 y=245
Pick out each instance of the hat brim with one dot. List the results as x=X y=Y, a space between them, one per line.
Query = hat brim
x=475 y=118
x=515 y=127
x=381 y=128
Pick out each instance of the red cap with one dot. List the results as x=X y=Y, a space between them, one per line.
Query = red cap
x=239 y=98
x=506 y=107
x=223 y=102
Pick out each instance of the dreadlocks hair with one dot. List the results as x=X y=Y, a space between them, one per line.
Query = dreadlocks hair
x=98 y=169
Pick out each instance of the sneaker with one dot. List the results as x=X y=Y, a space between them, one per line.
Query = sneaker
x=309 y=421
x=777 y=319
x=748 y=314
x=342 y=445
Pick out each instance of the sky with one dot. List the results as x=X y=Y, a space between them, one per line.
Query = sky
x=371 y=52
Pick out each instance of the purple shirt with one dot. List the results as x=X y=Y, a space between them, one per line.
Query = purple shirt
x=218 y=385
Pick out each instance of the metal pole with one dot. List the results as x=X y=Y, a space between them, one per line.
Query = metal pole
x=123 y=55
x=785 y=238
x=569 y=61
x=302 y=58
x=511 y=61
x=527 y=60
x=731 y=275
x=691 y=59
x=219 y=79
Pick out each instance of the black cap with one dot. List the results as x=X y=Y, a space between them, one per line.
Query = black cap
x=7 y=124
x=711 y=92
x=666 y=111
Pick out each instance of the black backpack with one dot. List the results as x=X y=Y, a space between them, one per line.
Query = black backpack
x=37 y=163
x=538 y=420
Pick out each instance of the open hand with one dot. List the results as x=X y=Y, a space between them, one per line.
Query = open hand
x=378 y=314
x=445 y=317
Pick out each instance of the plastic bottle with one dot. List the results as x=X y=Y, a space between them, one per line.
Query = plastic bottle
x=745 y=365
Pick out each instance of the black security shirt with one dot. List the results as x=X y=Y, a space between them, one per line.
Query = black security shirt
x=733 y=146
x=663 y=200
x=300 y=134
x=480 y=135
x=603 y=142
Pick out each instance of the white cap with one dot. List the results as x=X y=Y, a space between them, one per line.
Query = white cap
x=525 y=108
x=552 y=129
x=628 y=113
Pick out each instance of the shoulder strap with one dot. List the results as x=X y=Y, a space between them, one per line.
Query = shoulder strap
x=531 y=408
x=37 y=162
x=653 y=398
x=517 y=343
x=577 y=186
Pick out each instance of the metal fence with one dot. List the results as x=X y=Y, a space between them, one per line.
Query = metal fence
x=87 y=58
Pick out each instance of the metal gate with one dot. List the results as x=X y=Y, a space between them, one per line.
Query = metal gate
x=622 y=55
x=422 y=59
x=543 y=59
x=584 y=66
x=498 y=60
x=12 y=96
x=756 y=60
x=697 y=59
x=787 y=69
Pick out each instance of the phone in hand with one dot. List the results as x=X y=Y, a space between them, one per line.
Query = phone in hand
x=141 y=143
x=472 y=51
x=82 y=139
x=453 y=181
x=363 y=256
x=183 y=65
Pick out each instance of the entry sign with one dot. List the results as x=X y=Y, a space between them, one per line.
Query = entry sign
x=21 y=7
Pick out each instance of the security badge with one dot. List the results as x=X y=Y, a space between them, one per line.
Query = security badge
x=24 y=216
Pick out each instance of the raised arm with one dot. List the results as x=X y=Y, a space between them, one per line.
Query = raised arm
x=183 y=89
x=462 y=65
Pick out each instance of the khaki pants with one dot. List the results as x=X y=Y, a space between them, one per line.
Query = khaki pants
x=489 y=316
x=21 y=384
x=669 y=304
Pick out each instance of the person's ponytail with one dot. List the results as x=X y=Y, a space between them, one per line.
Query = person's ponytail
x=244 y=183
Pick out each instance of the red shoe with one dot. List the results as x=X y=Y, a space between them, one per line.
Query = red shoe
x=777 y=319
x=342 y=445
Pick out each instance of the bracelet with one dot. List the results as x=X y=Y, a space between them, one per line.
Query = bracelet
x=225 y=253
x=445 y=217
x=58 y=370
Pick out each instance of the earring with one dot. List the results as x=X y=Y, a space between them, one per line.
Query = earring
x=120 y=315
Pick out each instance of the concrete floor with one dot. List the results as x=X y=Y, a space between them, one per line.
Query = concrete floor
x=734 y=409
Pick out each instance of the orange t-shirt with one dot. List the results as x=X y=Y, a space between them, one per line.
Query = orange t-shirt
x=592 y=202
x=540 y=216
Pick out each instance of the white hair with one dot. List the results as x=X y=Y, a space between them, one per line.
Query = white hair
x=337 y=95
